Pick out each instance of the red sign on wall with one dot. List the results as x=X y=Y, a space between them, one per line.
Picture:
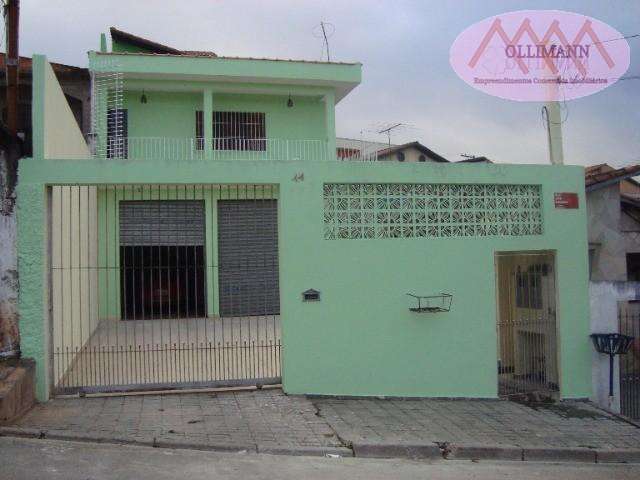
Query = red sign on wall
x=565 y=200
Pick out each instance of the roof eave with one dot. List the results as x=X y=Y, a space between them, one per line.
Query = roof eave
x=341 y=77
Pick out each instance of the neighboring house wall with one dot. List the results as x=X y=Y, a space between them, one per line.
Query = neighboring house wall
x=411 y=155
x=58 y=135
x=605 y=298
x=363 y=146
x=608 y=246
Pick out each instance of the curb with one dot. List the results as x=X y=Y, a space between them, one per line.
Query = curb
x=559 y=455
x=377 y=450
x=482 y=452
x=306 y=451
x=76 y=437
x=426 y=451
x=175 y=444
x=618 y=456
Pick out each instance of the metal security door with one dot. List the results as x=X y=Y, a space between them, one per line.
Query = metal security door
x=248 y=257
x=162 y=259
x=527 y=338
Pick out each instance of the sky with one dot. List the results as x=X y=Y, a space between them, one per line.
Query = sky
x=406 y=75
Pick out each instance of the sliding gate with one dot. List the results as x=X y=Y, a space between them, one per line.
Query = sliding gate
x=163 y=286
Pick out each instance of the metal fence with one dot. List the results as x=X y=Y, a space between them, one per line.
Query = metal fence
x=629 y=323
x=166 y=148
x=527 y=338
x=137 y=298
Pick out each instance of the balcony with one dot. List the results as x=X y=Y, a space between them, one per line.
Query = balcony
x=261 y=149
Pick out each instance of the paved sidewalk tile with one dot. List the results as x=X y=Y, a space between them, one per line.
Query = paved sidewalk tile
x=243 y=419
x=570 y=424
x=270 y=421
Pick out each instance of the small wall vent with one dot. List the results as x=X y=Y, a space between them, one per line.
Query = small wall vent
x=311 y=295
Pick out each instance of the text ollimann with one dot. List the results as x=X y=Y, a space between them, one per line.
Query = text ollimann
x=547 y=51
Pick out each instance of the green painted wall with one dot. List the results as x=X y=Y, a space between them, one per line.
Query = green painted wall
x=166 y=114
x=360 y=339
x=172 y=114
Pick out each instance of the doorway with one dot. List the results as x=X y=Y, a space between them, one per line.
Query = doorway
x=526 y=324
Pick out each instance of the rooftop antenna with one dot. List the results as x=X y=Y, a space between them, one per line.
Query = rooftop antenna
x=324 y=31
x=387 y=131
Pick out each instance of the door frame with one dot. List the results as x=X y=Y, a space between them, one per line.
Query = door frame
x=558 y=343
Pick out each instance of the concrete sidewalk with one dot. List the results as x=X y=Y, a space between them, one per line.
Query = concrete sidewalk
x=268 y=421
x=264 y=421
x=480 y=429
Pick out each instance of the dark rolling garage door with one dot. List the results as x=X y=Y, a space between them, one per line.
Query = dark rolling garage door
x=162 y=259
x=248 y=257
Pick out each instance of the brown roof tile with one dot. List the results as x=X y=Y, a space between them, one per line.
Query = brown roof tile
x=597 y=174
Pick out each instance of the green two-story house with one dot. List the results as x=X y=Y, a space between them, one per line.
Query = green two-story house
x=206 y=234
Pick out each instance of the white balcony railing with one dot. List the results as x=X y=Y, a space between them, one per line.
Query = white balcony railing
x=167 y=148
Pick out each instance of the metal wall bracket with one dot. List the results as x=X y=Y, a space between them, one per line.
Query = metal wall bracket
x=432 y=303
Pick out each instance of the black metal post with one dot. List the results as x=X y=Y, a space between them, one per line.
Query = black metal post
x=611 y=355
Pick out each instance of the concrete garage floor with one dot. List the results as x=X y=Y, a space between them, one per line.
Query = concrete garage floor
x=268 y=421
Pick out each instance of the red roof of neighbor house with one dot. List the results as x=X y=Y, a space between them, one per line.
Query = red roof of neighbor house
x=603 y=174
x=59 y=68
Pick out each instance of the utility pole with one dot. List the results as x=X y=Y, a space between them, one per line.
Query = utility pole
x=11 y=14
x=553 y=118
x=9 y=336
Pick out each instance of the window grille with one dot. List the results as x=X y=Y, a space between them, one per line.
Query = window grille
x=234 y=131
x=117 y=133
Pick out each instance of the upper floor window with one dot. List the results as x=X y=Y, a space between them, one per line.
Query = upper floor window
x=234 y=131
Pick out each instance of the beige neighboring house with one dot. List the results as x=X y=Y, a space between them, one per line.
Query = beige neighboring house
x=410 y=152
x=613 y=208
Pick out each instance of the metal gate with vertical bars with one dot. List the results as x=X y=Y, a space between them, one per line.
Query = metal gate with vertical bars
x=138 y=287
x=526 y=324
x=629 y=323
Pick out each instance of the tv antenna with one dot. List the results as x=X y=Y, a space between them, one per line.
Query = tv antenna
x=388 y=129
x=324 y=31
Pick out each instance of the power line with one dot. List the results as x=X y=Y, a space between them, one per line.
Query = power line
x=626 y=37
